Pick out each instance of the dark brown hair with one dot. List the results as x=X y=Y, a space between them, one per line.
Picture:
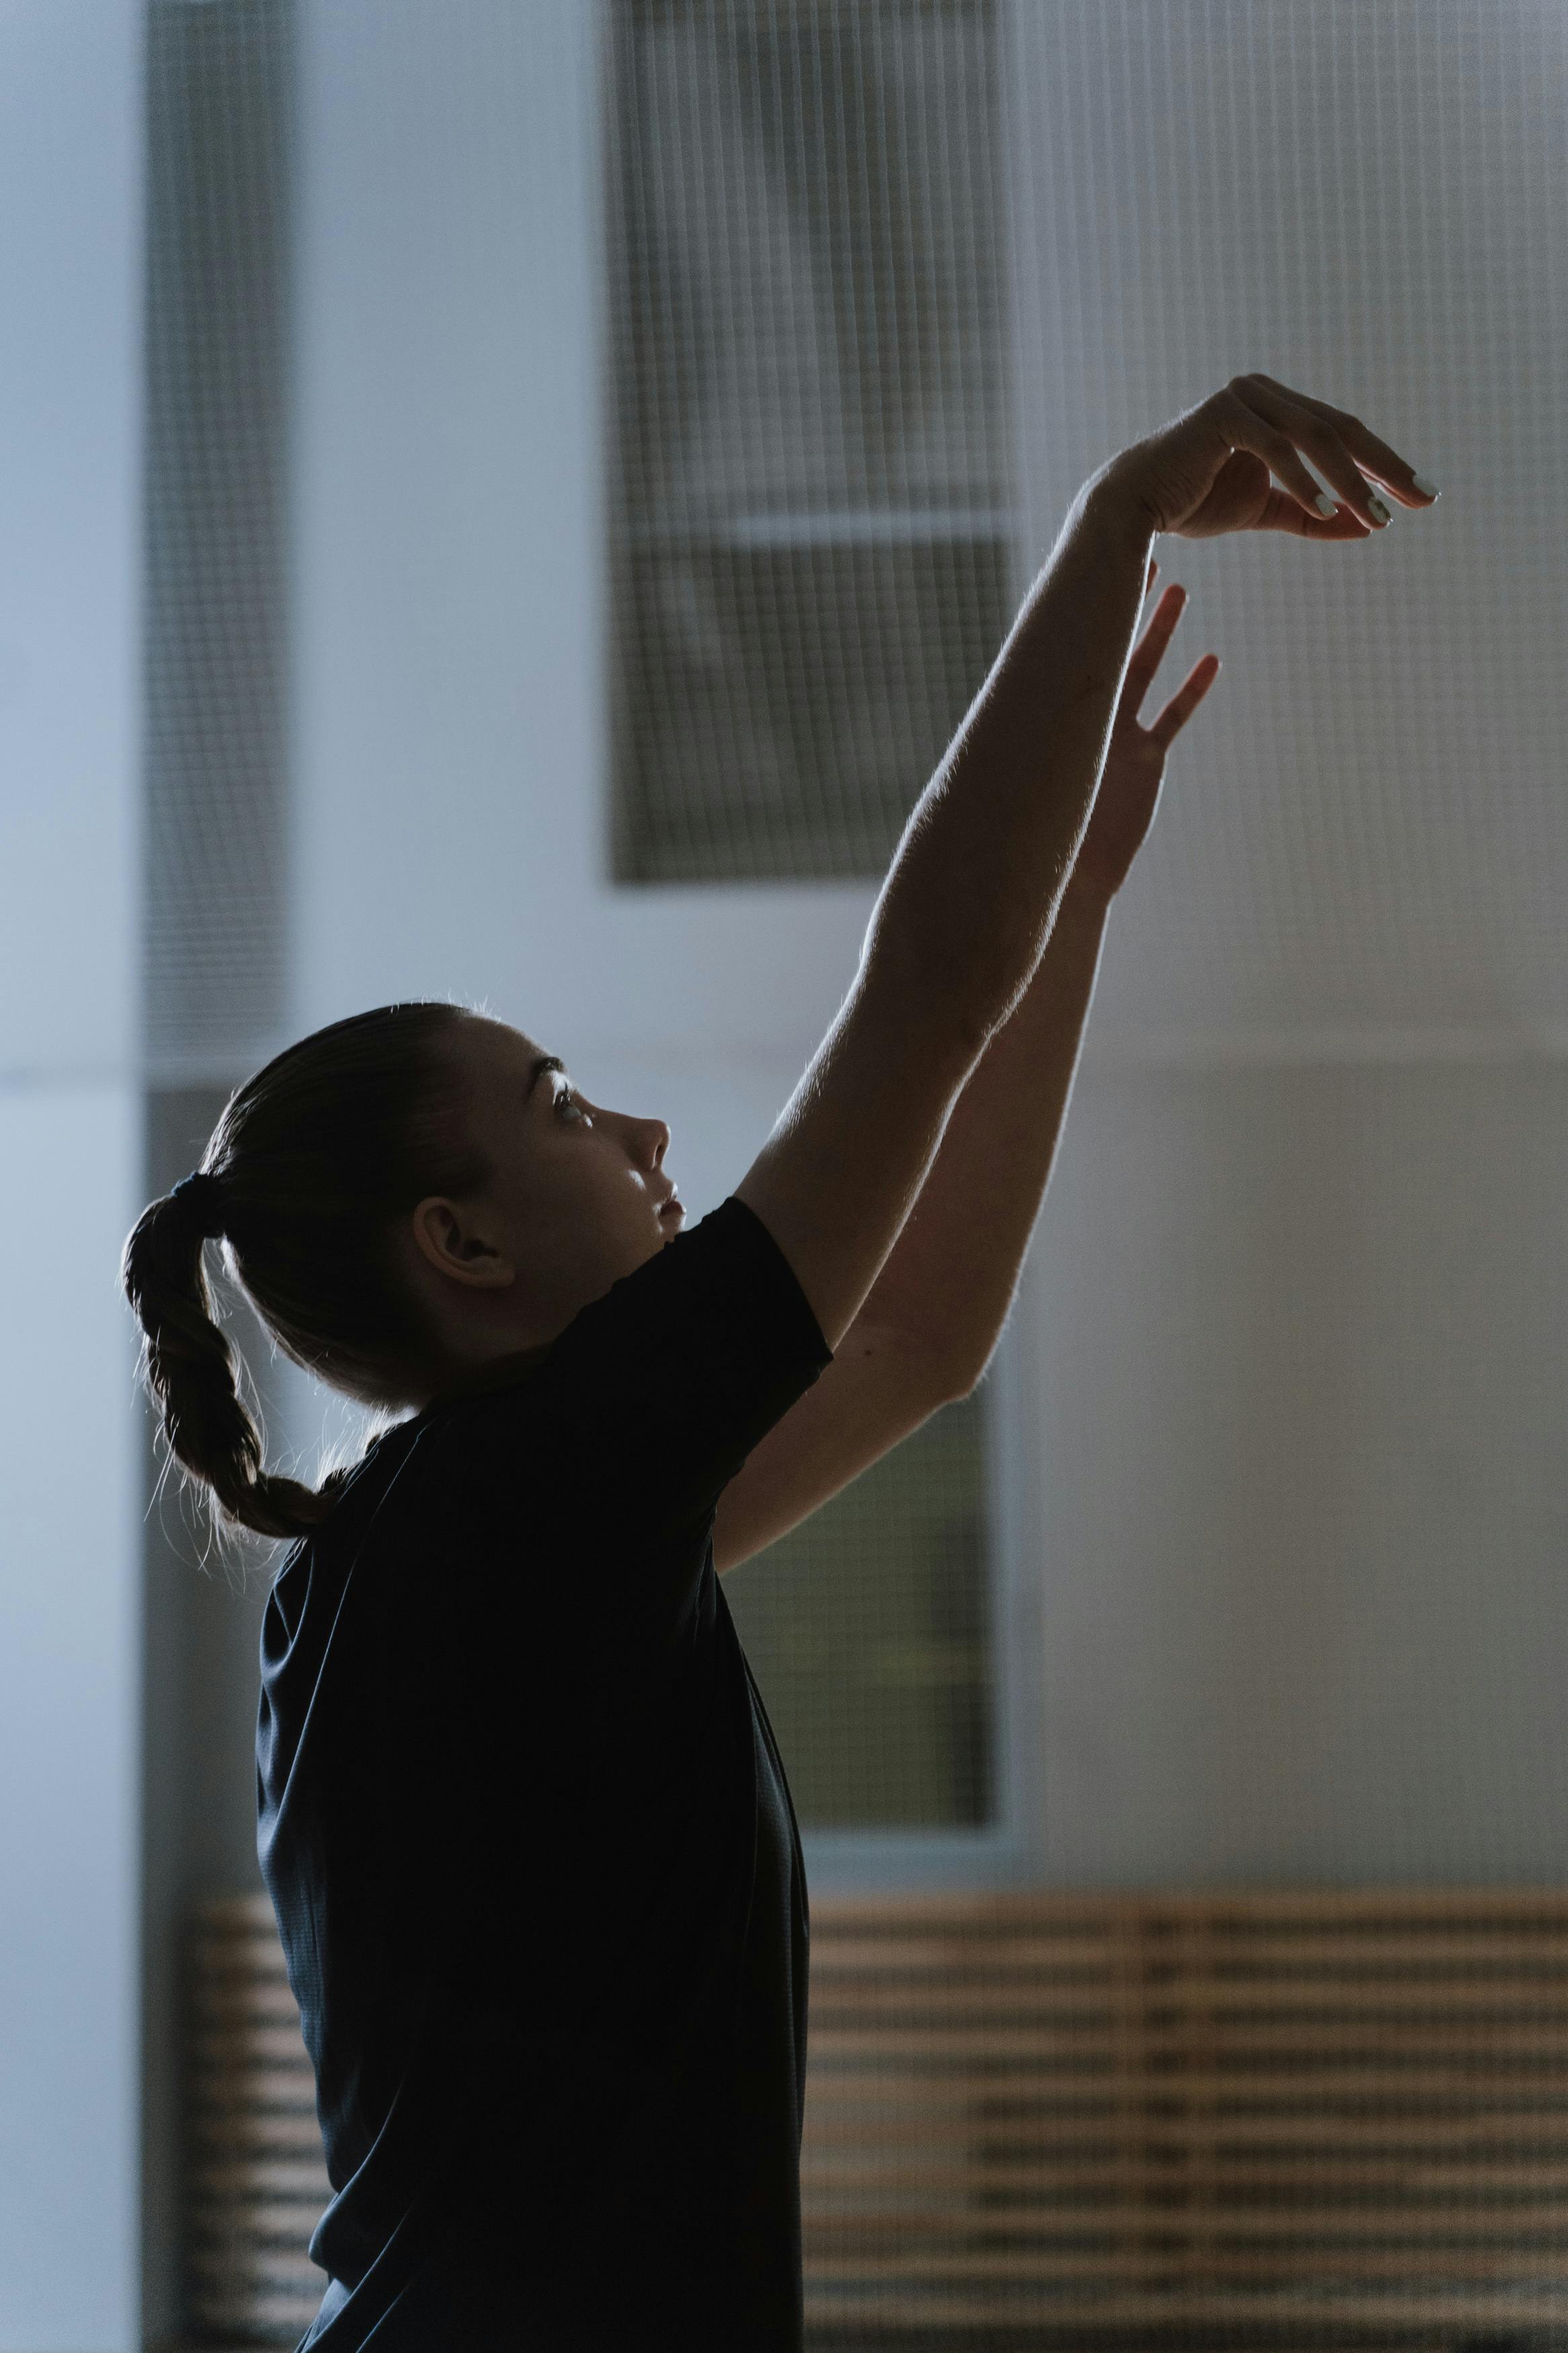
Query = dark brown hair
x=313 y=1161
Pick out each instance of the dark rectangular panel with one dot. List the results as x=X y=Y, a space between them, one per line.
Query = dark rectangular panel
x=218 y=106
x=811 y=472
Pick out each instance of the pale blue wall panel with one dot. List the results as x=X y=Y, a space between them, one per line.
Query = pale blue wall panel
x=70 y=285
x=70 y=281
x=69 y=1559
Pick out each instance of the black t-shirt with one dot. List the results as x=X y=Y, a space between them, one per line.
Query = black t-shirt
x=532 y=1849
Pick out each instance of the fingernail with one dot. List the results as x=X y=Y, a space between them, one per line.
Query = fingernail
x=1378 y=510
x=1326 y=506
x=1427 y=490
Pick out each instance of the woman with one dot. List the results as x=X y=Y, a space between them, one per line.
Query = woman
x=522 y=1816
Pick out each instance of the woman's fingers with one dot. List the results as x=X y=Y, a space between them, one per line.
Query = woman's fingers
x=1145 y=660
x=1284 y=513
x=1184 y=702
x=1371 y=455
x=1150 y=651
x=1162 y=627
x=1307 y=430
x=1343 y=451
x=1269 y=430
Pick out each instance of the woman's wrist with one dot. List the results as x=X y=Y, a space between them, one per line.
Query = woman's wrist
x=1119 y=509
x=1084 y=904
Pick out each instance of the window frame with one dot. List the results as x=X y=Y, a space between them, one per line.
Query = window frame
x=1006 y=1852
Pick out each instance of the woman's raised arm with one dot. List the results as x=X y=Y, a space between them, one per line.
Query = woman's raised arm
x=963 y=915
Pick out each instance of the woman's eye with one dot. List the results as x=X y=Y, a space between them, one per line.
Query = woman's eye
x=567 y=1100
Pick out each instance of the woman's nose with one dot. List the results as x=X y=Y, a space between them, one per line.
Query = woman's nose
x=655 y=1137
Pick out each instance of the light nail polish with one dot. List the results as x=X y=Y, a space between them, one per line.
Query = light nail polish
x=1427 y=490
x=1380 y=514
x=1326 y=506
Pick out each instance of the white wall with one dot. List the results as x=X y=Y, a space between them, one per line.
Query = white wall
x=1301 y=1396
x=69 y=1148
x=449 y=583
x=1297 y=1302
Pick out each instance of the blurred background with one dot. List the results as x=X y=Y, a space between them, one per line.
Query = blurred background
x=509 y=498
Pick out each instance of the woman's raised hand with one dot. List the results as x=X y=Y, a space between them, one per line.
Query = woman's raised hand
x=1135 y=759
x=1216 y=468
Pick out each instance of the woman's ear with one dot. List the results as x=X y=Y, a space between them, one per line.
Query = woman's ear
x=462 y=1245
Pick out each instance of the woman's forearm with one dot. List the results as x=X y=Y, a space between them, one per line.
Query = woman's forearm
x=962 y=917
x=952 y=1273
x=967 y=904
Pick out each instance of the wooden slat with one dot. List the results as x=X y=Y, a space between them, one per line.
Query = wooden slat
x=1457 y=1998
x=1264 y=2139
x=262 y=2173
x=261 y=2043
x=1203 y=1968
x=258 y=2131
x=1042 y=1944
x=219 y=2274
x=1350 y=2178
x=252 y=1911
x=1208 y=2099
x=231 y=2270
x=1134 y=2262
x=1310 y=2239
x=1257 y=1910
x=243 y=2316
x=1177 y=2303
x=247 y=1956
x=248 y=2003
x=286 y=2221
x=1387 y=2045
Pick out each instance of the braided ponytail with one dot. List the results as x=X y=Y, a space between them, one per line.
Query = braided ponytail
x=190 y=1371
x=305 y=1175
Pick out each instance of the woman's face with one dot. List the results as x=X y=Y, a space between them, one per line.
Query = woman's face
x=578 y=1195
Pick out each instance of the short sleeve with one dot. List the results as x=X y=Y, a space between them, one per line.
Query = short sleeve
x=653 y=1397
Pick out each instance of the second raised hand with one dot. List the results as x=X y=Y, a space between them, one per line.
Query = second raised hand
x=1134 y=766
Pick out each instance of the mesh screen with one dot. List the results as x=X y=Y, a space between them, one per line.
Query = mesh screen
x=845 y=245
x=1365 y=849
x=218 y=98
x=811 y=492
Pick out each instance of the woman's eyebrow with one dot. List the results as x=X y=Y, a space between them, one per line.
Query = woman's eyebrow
x=544 y=1063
